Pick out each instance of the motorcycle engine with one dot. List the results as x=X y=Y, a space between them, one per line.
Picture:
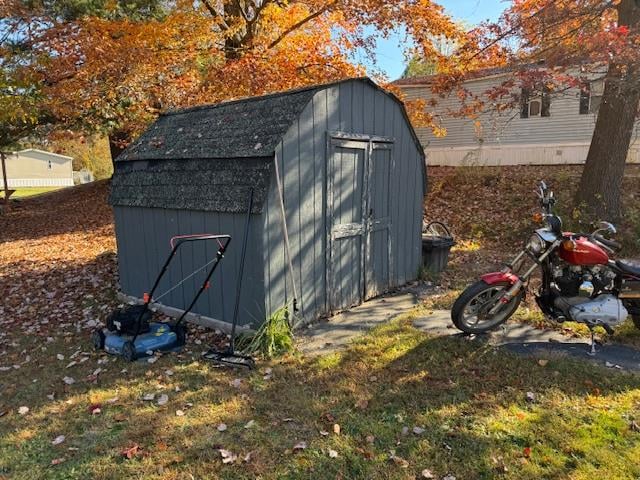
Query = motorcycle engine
x=583 y=295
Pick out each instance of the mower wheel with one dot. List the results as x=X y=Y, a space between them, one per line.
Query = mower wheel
x=97 y=337
x=181 y=334
x=129 y=351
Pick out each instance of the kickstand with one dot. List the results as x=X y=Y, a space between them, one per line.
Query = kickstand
x=592 y=353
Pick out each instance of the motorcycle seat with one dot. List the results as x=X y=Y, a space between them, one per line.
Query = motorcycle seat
x=631 y=267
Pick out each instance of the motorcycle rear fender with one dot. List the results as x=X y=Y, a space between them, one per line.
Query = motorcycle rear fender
x=499 y=278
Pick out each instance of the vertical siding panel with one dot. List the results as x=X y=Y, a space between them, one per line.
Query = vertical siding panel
x=137 y=258
x=358 y=107
x=320 y=119
x=345 y=107
x=175 y=297
x=393 y=128
x=379 y=101
x=368 y=109
x=122 y=242
x=405 y=205
x=159 y=243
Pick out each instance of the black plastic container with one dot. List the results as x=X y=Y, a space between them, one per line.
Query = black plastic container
x=436 y=245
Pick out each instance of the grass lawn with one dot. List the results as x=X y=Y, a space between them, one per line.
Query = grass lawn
x=30 y=191
x=396 y=403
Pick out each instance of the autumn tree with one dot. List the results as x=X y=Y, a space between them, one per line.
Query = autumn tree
x=575 y=42
x=111 y=66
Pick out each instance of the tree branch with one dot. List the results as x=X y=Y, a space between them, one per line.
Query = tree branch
x=215 y=14
x=302 y=22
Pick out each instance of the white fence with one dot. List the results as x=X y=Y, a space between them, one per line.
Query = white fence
x=496 y=155
x=39 y=182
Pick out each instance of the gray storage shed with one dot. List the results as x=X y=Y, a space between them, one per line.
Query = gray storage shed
x=340 y=160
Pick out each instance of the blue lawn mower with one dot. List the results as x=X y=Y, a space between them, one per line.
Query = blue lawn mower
x=129 y=331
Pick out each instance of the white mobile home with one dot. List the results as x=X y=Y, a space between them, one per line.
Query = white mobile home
x=37 y=168
x=544 y=129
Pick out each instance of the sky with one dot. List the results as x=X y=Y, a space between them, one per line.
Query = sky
x=390 y=52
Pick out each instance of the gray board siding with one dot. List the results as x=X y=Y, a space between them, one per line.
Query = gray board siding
x=143 y=236
x=216 y=185
x=353 y=107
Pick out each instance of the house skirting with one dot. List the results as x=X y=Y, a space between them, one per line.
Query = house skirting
x=532 y=154
x=40 y=182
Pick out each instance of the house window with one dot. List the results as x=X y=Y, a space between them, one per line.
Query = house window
x=591 y=96
x=535 y=104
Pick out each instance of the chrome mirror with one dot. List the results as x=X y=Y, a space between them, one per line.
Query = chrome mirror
x=606 y=226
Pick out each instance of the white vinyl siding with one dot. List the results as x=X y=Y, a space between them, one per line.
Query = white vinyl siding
x=563 y=137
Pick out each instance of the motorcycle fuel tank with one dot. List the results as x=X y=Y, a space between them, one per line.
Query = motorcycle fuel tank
x=582 y=252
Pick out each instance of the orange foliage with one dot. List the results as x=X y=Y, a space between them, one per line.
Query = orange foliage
x=114 y=74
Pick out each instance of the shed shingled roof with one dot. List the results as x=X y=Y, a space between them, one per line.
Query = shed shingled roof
x=192 y=184
x=244 y=128
x=208 y=157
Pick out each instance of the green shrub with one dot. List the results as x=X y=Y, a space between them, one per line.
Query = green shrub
x=274 y=338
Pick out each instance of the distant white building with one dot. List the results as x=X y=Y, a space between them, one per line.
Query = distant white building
x=37 y=168
x=545 y=129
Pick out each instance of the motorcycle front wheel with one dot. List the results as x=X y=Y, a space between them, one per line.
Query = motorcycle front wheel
x=470 y=311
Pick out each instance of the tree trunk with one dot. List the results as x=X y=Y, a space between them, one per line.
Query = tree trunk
x=118 y=141
x=601 y=183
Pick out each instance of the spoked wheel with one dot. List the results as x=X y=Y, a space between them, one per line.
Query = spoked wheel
x=470 y=312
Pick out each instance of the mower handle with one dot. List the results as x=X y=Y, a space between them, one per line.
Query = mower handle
x=180 y=239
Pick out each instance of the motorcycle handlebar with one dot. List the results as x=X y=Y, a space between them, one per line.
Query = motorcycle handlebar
x=608 y=243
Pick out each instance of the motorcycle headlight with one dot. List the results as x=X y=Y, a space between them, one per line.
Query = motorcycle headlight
x=536 y=244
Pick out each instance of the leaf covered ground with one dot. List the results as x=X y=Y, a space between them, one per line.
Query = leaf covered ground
x=397 y=404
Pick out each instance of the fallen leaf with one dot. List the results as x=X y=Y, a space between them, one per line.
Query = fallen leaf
x=324 y=433
x=152 y=359
x=222 y=427
x=131 y=452
x=58 y=440
x=237 y=383
x=95 y=409
x=179 y=413
x=418 y=430
x=426 y=473
x=333 y=454
x=149 y=397
x=336 y=428
x=449 y=477
x=57 y=461
x=543 y=362
x=23 y=410
x=227 y=456
x=250 y=424
x=300 y=446
x=401 y=462
x=162 y=399
x=60 y=356
x=69 y=380
x=526 y=452
x=531 y=397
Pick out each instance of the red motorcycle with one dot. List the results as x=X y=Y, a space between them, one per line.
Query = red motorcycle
x=580 y=282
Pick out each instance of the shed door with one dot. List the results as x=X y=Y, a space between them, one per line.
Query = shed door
x=358 y=208
x=378 y=241
x=346 y=209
